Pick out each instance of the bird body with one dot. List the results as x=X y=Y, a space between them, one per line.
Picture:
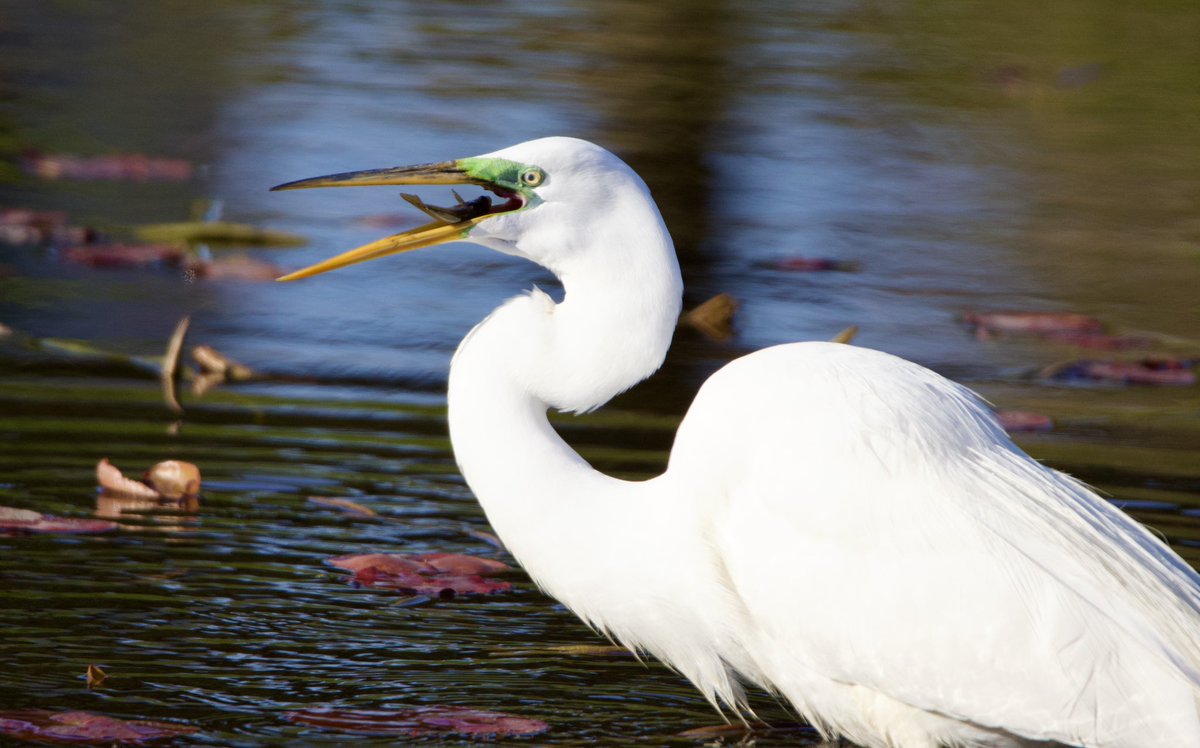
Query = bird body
x=836 y=525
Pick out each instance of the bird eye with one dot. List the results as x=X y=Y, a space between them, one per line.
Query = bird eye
x=533 y=177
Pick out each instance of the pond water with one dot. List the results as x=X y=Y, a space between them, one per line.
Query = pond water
x=955 y=157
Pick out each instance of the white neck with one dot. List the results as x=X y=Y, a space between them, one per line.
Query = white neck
x=591 y=541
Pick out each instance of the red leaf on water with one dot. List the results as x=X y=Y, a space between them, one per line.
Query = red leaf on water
x=1162 y=371
x=984 y=323
x=438 y=574
x=420 y=722
x=125 y=255
x=457 y=563
x=811 y=265
x=129 y=167
x=1019 y=420
x=15 y=521
x=84 y=728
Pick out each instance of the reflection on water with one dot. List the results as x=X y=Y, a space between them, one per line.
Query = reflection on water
x=963 y=156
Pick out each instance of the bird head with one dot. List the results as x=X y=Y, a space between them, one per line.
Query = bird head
x=548 y=195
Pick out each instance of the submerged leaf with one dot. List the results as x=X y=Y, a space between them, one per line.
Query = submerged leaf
x=425 y=721
x=84 y=728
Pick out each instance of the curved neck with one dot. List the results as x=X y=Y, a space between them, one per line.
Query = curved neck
x=611 y=330
x=586 y=538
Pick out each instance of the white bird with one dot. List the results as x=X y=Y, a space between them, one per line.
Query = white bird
x=836 y=525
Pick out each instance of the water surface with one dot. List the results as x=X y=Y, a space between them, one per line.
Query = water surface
x=961 y=157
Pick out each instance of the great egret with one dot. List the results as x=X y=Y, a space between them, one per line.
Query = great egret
x=836 y=525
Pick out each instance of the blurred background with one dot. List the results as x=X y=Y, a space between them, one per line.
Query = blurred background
x=912 y=168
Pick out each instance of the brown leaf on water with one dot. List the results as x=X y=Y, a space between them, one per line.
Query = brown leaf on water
x=422 y=721
x=212 y=361
x=170 y=366
x=14 y=521
x=713 y=318
x=345 y=505
x=589 y=650
x=237 y=268
x=84 y=728
x=845 y=336
x=174 y=479
x=95 y=676
x=111 y=480
x=436 y=574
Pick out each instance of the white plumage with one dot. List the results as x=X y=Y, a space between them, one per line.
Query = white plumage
x=836 y=524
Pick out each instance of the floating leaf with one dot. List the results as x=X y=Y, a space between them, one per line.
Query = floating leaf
x=125 y=255
x=111 y=480
x=15 y=521
x=438 y=574
x=171 y=364
x=128 y=167
x=428 y=721
x=174 y=479
x=346 y=505
x=588 y=650
x=217 y=232
x=846 y=335
x=1160 y=371
x=84 y=728
x=237 y=268
x=1018 y=420
x=986 y=323
x=23 y=226
x=714 y=317
x=95 y=676
x=212 y=361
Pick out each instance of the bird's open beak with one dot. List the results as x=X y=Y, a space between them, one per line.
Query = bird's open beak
x=449 y=225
